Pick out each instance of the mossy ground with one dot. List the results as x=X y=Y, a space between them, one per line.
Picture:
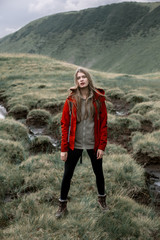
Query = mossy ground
x=30 y=186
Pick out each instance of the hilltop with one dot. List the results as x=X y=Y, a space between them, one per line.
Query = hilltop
x=122 y=38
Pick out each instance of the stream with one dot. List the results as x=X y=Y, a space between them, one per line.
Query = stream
x=152 y=172
x=33 y=130
x=40 y=131
x=3 y=112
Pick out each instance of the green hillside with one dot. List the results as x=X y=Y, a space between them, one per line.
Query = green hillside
x=121 y=38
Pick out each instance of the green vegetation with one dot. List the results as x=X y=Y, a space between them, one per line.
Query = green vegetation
x=38 y=117
x=142 y=108
x=41 y=144
x=123 y=123
x=146 y=147
x=16 y=130
x=19 y=111
x=11 y=151
x=135 y=97
x=115 y=93
x=121 y=38
x=31 y=170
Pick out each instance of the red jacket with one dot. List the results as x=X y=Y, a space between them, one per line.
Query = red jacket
x=100 y=124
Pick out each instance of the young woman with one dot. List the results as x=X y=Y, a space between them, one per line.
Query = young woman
x=84 y=126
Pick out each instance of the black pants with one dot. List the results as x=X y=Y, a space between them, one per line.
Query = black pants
x=70 y=164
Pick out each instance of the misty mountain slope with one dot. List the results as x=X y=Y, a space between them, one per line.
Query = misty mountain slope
x=121 y=37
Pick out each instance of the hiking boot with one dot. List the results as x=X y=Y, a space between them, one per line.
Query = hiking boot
x=102 y=202
x=62 y=209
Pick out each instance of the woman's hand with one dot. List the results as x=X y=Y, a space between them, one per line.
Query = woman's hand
x=64 y=156
x=100 y=153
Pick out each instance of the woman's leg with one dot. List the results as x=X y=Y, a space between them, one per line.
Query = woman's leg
x=98 y=171
x=69 y=167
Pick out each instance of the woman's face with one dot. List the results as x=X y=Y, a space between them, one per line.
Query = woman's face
x=82 y=80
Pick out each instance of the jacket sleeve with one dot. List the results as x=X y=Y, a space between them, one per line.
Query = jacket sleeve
x=65 y=127
x=103 y=126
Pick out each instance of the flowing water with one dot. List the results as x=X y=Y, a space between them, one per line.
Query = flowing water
x=33 y=130
x=3 y=112
x=40 y=131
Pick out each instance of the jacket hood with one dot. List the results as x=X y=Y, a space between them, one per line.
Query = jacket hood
x=100 y=93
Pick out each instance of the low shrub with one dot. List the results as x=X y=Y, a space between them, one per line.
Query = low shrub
x=4 y=135
x=19 y=111
x=54 y=127
x=115 y=93
x=109 y=106
x=41 y=144
x=152 y=116
x=142 y=108
x=146 y=107
x=146 y=148
x=120 y=124
x=156 y=124
x=16 y=130
x=157 y=106
x=136 y=116
x=115 y=149
x=53 y=107
x=44 y=101
x=38 y=117
x=136 y=98
x=12 y=152
x=27 y=99
x=154 y=97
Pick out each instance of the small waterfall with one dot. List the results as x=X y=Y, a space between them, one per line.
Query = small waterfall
x=3 y=112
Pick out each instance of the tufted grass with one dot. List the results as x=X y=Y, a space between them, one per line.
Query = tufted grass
x=18 y=111
x=120 y=124
x=30 y=182
x=12 y=152
x=115 y=93
x=32 y=215
x=135 y=97
x=146 y=147
x=16 y=130
x=38 y=117
x=41 y=144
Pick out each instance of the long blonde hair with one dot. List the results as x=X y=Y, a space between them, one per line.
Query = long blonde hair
x=75 y=93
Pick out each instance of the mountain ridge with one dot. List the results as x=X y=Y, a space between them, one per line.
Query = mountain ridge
x=108 y=38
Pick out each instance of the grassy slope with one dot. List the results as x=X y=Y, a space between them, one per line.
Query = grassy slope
x=30 y=189
x=114 y=38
